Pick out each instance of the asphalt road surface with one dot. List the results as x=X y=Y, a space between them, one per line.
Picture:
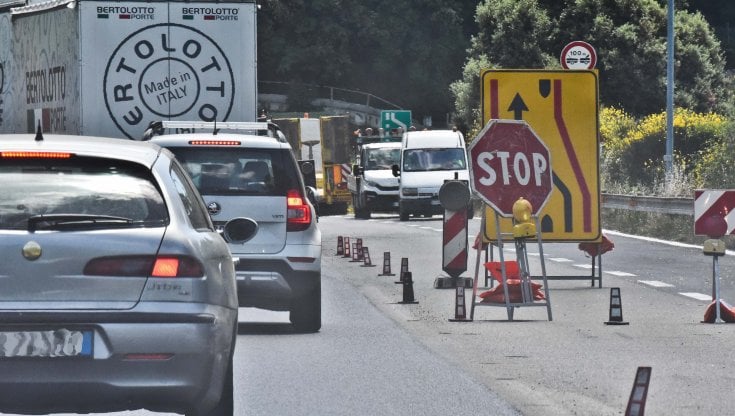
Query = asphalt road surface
x=378 y=356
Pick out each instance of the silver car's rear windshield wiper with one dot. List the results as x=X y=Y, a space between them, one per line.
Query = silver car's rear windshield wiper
x=75 y=221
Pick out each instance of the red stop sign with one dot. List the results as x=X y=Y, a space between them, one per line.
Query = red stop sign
x=509 y=161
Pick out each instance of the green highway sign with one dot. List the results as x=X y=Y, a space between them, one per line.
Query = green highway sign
x=393 y=119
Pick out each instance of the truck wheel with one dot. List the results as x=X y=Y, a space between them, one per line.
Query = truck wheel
x=306 y=312
x=363 y=213
x=404 y=215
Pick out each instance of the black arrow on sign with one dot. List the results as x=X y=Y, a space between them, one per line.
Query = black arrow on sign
x=518 y=107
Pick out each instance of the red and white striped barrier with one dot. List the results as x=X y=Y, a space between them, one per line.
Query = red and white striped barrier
x=714 y=212
x=454 y=241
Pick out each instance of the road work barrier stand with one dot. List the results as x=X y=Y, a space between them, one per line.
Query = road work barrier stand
x=594 y=250
x=454 y=196
x=519 y=291
x=711 y=209
x=509 y=160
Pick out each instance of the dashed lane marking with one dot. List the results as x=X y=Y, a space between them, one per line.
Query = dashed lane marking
x=621 y=274
x=697 y=296
x=560 y=259
x=655 y=283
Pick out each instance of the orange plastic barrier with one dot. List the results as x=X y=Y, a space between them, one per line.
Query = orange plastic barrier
x=512 y=273
x=727 y=313
x=593 y=249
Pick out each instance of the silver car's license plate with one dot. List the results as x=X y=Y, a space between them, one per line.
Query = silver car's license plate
x=52 y=343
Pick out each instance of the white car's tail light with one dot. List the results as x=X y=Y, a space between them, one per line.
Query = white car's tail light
x=35 y=155
x=298 y=211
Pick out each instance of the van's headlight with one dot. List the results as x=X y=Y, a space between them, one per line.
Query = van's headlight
x=371 y=184
x=410 y=191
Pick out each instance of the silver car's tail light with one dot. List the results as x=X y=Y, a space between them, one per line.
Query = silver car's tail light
x=137 y=266
x=177 y=267
x=298 y=211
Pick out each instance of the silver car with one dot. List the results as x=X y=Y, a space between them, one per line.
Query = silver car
x=249 y=170
x=116 y=291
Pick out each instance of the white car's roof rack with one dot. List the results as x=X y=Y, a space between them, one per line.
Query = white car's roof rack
x=259 y=128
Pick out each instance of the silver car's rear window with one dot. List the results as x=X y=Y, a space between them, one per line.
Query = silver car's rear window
x=79 y=186
x=239 y=170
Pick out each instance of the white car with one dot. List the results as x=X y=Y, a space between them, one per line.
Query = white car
x=249 y=170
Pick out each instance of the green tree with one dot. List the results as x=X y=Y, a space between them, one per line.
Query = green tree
x=407 y=52
x=512 y=34
x=629 y=37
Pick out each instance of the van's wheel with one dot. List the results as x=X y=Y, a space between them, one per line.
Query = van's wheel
x=306 y=311
x=363 y=213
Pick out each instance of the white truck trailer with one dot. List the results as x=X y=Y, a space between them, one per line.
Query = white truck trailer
x=109 y=68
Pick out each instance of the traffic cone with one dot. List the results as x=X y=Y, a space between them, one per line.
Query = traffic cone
x=359 y=249
x=366 y=258
x=347 y=247
x=616 y=308
x=340 y=246
x=404 y=270
x=637 y=401
x=355 y=255
x=408 y=289
x=386 y=265
x=460 y=310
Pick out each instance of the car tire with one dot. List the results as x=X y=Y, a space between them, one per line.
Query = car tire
x=470 y=212
x=306 y=311
x=226 y=404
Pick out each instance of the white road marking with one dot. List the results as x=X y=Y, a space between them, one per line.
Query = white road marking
x=656 y=240
x=621 y=274
x=560 y=259
x=697 y=296
x=655 y=283
x=583 y=266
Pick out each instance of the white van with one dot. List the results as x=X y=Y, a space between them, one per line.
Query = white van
x=428 y=158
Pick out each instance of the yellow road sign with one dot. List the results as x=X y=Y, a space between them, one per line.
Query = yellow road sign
x=562 y=108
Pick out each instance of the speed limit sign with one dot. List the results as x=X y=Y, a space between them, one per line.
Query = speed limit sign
x=578 y=55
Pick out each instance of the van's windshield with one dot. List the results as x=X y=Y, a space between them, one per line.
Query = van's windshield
x=418 y=160
x=382 y=158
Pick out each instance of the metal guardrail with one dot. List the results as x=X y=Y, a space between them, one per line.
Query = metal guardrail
x=661 y=205
x=331 y=93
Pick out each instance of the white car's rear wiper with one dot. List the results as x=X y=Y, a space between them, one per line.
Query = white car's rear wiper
x=59 y=221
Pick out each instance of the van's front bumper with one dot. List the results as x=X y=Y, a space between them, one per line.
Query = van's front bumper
x=429 y=205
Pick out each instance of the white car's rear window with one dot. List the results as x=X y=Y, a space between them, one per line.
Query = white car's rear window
x=239 y=171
